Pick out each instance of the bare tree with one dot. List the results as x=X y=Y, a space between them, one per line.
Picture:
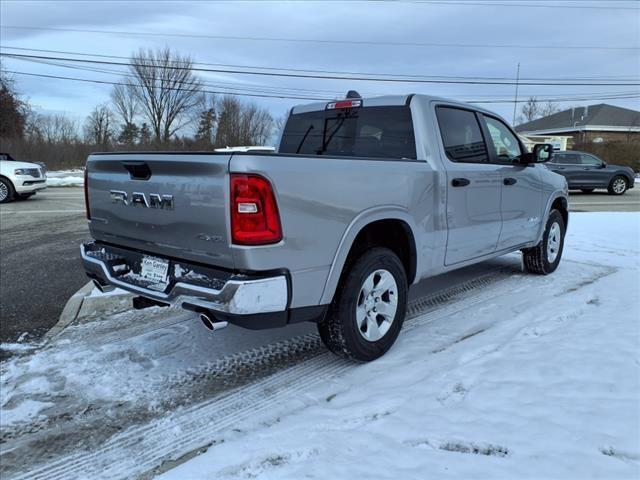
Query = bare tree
x=530 y=110
x=125 y=102
x=549 y=108
x=242 y=124
x=229 y=118
x=533 y=110
x=52 y=128
x=98 y=127
x=167 y=90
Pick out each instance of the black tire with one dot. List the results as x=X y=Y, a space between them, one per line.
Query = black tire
x=536 y=259
x=339 y=331
x=587 y=190
x=10 y=192
x=620 y=180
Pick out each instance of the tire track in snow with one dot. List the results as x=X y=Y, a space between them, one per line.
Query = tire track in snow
x=142 y=450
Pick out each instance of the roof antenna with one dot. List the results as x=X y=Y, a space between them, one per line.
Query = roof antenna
x=353 y=94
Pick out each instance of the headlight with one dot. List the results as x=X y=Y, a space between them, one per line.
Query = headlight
x=22 y=171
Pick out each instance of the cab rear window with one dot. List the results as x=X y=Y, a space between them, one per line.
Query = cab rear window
x=379 y=132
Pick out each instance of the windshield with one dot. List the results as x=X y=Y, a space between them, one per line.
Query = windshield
x=382 y=132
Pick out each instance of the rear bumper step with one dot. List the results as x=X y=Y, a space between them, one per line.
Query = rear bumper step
x=186 y=284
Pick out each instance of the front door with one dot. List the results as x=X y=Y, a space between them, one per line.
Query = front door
x=521 y=200
x=592 y=173
x=473 y=187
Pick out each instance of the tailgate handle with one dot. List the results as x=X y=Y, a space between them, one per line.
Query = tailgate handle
x=138 y=170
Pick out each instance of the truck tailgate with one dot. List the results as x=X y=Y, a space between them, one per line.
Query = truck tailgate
x=191 y=221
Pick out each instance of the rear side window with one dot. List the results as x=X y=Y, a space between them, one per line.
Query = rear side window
x=461 y=135
x=382 y=132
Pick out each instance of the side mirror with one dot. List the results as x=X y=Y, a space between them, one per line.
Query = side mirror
x=542 y=152
x=603 y=165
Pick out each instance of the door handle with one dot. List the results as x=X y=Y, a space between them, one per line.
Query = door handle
x=460 y=182
x=510 y=181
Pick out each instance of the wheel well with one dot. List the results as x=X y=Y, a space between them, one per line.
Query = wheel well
x=393 y=234
x=561 y=205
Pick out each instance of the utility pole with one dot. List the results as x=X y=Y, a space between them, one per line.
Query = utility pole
x=515 y=100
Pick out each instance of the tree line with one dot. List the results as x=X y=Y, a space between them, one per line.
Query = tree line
x=159 y=104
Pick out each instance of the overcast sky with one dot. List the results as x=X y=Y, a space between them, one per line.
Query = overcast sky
x=490 y=39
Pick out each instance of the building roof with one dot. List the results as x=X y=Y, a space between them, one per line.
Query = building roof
x=602 y=117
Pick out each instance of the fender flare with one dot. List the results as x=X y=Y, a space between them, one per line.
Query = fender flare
x=363 y=219
x=552 y=198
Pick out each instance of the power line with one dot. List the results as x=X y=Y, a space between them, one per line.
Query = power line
x=323 y=94
x=247 y=87
x=324 y=41
x=329 y=77
x=393 y=75
x=525 y=5
x=105 y=82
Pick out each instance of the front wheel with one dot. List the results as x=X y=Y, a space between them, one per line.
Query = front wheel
x=618 y=185
x=6 y=191
x=369 y=307
x=544 y=258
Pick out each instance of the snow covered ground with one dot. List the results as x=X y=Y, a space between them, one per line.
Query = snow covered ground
x=65 y=178
x=548 y=387
x=515 y=376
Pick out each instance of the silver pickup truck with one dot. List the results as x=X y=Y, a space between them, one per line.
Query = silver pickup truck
x=363 y=198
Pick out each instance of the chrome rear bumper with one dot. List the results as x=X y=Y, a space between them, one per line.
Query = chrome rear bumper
x=230 y=295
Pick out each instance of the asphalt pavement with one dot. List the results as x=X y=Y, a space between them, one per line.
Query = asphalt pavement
x=40 y=266
x=39 y=260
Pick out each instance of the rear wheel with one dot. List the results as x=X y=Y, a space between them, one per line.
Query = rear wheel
x=544 y=258
x=6 y=191
x=369 y=307
x=618 y=185
x=587 y=190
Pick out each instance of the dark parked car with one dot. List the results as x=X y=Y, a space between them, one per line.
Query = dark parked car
x=586 y=172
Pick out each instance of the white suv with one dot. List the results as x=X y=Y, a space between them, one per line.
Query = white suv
x=19 y=180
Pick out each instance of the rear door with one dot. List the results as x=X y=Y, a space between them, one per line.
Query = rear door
x=473 y=186
x=521 y=199
x=569 y=165
x=172 y=205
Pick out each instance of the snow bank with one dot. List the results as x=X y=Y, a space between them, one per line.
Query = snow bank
x=65 y=178
x=548 y=387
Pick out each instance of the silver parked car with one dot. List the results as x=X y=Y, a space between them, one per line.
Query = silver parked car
x=363 y=198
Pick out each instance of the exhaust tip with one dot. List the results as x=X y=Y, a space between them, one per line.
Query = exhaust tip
x=206 y=321
x=210 y=322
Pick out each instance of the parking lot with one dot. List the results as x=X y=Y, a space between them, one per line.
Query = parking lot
x=41 y=269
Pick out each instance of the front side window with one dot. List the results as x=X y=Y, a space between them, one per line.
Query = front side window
x=590 y=160
x=505 y=143
x=461 y=135
x=382 y=132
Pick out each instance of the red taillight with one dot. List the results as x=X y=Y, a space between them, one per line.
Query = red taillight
x=86 y=192
x=254 y=212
